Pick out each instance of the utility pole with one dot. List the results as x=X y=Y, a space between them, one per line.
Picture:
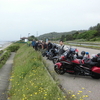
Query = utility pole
x=37 y=34
x=28 y=36
x=20 y=36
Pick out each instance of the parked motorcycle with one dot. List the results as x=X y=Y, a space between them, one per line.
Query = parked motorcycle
x=52 y=52
x=56 y=58
x=70 y=63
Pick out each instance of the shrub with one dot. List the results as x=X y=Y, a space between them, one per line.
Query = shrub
x=1 y=51
x=13 y=48
x=4 y=58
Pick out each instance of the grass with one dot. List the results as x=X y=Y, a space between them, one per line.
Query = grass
x=30 y=80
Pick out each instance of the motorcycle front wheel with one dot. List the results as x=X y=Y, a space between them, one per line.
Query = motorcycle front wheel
x=59 y=70
x=95 y=76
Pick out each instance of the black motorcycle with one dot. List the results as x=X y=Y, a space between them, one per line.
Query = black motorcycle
x=52 y=53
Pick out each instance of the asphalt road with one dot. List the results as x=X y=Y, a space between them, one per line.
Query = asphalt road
x=81 y=86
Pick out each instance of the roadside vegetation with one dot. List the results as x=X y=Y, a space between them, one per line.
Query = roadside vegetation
x=1 y=51
x=4 y=55
x=30 y=80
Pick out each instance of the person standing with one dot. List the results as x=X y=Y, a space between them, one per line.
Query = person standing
x=49 y=46
x=33 y=43
x=36 y=45
x=62 y=47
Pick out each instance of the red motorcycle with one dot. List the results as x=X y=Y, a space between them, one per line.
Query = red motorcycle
x=78 y=65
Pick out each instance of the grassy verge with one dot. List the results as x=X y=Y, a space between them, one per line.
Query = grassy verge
x=30 y=80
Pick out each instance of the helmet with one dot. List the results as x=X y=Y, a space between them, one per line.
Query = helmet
x=86 y=53
x=98 y=54
x=83 y=53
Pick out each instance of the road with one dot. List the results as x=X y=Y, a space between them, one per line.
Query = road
x=81 y=86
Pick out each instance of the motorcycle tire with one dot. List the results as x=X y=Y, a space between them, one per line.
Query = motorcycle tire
x=95 y=76
x=50 y=57
x=55 y=60
x=59 y=70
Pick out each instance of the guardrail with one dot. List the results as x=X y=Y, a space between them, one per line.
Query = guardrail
x=84 y=43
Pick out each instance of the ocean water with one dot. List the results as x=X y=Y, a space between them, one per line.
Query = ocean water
x=2 y=43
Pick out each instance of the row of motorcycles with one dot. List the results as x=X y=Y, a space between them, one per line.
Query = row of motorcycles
x=73 y=63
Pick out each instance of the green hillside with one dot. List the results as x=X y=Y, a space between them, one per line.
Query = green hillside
x=92 y=34
x=56 y=35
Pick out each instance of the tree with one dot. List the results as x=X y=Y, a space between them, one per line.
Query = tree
x=63 y=37
x=31 y=38
x=69 y=37
x=98 y=29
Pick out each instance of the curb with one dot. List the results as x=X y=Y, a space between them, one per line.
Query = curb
x=59 y=86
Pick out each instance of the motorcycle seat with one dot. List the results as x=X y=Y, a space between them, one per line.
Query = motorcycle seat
x=79 y=57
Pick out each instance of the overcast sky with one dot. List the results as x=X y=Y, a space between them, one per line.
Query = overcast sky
x=20 y=17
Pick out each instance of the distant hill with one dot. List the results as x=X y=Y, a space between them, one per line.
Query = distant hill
x=92 y=34
x=57 y=35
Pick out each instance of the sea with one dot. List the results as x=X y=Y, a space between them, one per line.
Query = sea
x=3 y=43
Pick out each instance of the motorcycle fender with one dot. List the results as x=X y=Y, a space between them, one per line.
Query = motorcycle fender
x=58 y=64
x=96 y=69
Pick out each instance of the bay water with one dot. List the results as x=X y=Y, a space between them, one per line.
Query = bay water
x=3 y=43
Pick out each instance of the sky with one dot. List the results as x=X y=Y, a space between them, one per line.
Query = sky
x=23 y=18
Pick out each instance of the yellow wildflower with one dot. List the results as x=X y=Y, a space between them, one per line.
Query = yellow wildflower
x=45 y=94
x=79 y=91
x=35 y=93
x=64 y=96
x=86 y=96
x=73 y=95
x=83 y=88
x=89 y=91
x=30 y=94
